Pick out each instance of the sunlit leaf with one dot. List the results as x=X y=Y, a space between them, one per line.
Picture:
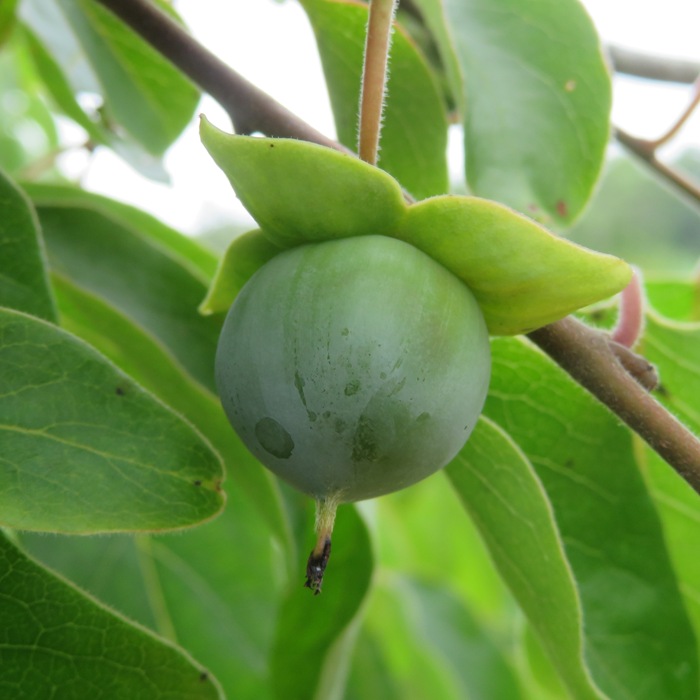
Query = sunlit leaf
x=54 y=637
x=535 y=95
x=85 y=449
x=414 y=125
x=675 y=350
x=323 y=627
x=504 y=497
x=638 y=638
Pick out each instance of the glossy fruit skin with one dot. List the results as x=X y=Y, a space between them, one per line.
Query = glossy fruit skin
x=353 y=368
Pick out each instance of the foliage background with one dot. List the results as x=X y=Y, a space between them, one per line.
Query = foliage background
x=574 y=576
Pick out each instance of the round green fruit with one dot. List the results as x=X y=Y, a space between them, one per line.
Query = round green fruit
x=355 y=367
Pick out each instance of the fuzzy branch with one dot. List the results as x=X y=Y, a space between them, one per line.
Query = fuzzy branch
x=612 y=373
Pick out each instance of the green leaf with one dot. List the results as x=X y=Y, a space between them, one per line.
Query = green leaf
x=144 y=92
x=466 y=649
x=414 y=125
x=424 y=533
x=675 y=299
x=535 y=97
x=23 y=282
x=246 y=254
x=55 y=641
x=638 y=640
x=504 y=497
x=7 y=19
x=408 y=657
x=522 y=276
x=22 y=112
x=675 y=348
x=201 y=261
x=85 y=449
x=142 y=357
x=215 y=588
x=300 y=192
x=56 y=82
x=315 y=634
x=129 y=267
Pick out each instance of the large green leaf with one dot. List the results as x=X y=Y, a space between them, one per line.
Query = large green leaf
x=522 y=276
x=535 y=95
x=414 y=126
x=119 y=258
x=675 y=350
x=410 y=663
x=503 y=495
x=422 y=531
x=23 y=282
x=469 y=655
x=146 y=360
x=299 y=192
x=315 y=634
x=675 y=299
x=201 y=261
x=143 y=92
x=214 y=589
x=638 y=639
x=85 y=449
x=57 y=642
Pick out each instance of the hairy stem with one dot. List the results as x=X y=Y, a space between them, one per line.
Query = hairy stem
x=374 y=74
x=589 y=356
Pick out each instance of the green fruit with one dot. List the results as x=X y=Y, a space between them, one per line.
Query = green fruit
x=353 y=368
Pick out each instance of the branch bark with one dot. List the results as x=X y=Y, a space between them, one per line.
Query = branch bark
x=249 y=108
x=588 y=355
x=644 y=65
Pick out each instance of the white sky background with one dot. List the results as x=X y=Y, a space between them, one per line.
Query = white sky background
x=272 y=45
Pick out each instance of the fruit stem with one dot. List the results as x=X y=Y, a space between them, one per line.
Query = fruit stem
x=320 y=554
x=374 y=73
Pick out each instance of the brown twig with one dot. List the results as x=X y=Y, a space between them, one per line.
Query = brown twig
x=249 y=108
x=379 y=26
x=588 y=355
x=644 y=65
x=646 y=150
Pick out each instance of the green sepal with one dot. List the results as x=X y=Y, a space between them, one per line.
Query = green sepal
x=523 y=276
x=300 y=192
x=239 y=263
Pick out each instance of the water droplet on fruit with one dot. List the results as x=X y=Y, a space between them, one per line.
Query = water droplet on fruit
x=274 y=438
x=352 y=387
